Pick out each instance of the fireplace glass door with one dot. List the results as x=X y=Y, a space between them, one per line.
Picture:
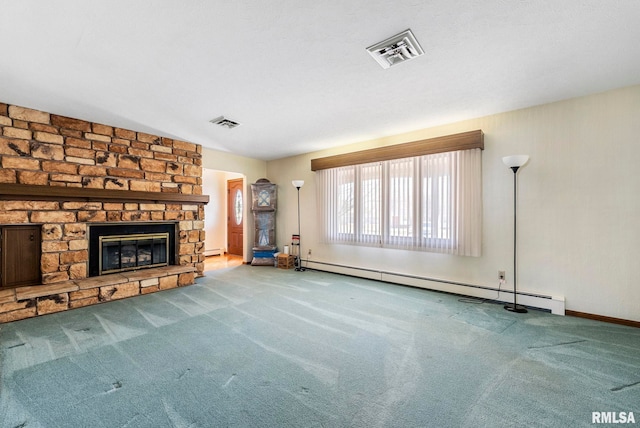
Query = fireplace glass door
x=129 y=252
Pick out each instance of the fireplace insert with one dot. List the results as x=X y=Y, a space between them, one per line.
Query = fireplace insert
x=129 y=252
x=132 y=246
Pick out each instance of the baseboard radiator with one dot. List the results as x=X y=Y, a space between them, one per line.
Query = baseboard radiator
x=214 y=252
x=554 y=304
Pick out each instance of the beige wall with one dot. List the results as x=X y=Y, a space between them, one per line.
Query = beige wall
x=215 y=213
x=578 y=205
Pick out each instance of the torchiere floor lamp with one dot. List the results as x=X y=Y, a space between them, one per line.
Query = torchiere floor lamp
x=515 y=162
x=298 y=184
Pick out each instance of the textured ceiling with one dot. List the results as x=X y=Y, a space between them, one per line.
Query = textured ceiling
x=296 y=74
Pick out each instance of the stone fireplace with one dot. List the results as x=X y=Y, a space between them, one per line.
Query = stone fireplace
x=133 y=199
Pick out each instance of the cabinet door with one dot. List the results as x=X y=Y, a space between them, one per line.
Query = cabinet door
x=20 y=255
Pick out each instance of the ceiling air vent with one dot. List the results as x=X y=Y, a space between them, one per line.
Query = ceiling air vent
x=395 y=50
x=223 y=121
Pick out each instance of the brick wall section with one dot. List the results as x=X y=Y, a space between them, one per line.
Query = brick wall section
x=45 y=149
x=40 y=148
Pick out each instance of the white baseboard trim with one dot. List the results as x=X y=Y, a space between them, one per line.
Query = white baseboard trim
x=214 y=252
x=554 y=304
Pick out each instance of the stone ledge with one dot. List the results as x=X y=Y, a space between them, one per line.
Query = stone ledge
x=101 y=281
x=30 y=301
x=33 y=291
x=7 y=296
x=157 y=272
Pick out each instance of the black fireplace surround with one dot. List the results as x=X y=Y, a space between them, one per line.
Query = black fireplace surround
x=130 y=246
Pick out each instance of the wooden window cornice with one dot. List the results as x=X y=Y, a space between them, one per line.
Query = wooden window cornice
x=448 y=143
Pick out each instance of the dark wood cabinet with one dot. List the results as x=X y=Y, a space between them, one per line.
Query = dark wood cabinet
x=20 y=248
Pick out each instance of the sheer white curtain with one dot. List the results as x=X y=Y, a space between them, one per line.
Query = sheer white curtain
x=403 y=203
x=428 y=203
x=351 y=201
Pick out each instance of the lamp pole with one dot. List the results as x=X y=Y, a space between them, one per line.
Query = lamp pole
x=515 y=162
x=298 y=184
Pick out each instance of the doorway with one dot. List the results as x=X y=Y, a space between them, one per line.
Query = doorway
x=235 y=217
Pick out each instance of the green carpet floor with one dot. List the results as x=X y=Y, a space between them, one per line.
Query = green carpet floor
x=264 y=347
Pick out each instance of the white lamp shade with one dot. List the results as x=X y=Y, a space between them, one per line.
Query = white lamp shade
x=297 y=183
x=515 y=160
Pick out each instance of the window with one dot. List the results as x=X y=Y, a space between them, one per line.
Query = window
x=430 y=203
x=237 y=205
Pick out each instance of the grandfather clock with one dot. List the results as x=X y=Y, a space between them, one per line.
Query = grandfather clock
x=263 y=194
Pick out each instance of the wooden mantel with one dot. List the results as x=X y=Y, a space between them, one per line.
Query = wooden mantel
x=21 y=192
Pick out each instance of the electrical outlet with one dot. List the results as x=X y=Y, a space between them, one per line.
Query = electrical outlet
x=501 y=276
x=309 y=254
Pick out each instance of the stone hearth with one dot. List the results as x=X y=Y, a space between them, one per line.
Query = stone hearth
x=27 y=302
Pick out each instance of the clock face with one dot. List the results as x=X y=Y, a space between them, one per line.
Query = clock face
x=264 y=198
